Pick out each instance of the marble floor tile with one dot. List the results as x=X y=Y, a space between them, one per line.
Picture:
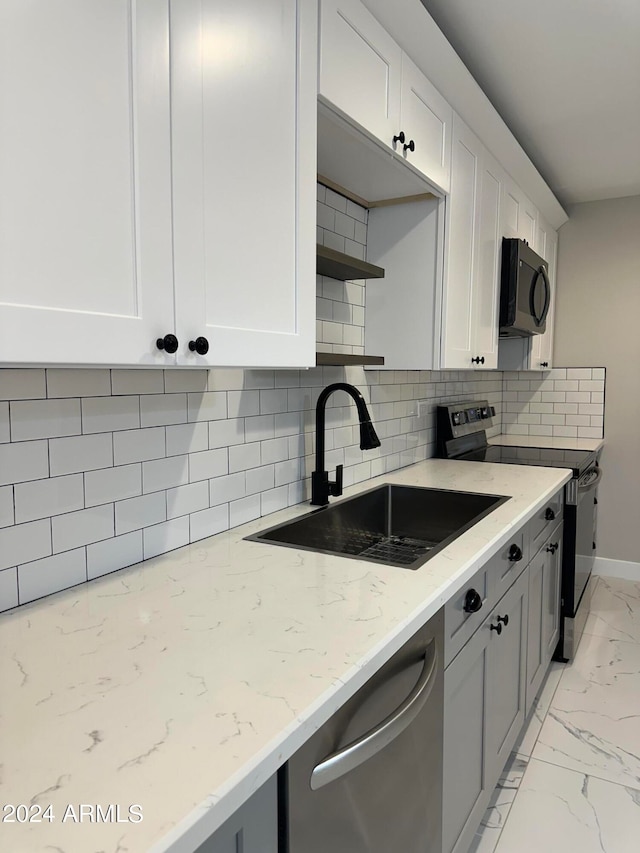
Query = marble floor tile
x=495 y=816
x=533 y=724
x=593 y=725
x=615 y=610
x=558 y=810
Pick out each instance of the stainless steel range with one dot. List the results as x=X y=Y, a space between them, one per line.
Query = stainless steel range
x=461 y=434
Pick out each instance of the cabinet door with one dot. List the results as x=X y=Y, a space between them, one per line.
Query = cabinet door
x=426 y=120
x=551 y=602
x=488 y=253
x=252 y=829
x=85 y=207
x=360 y=68
x=466 y=787
x=458 y=328
x=539 y=595
x=542 y=345
x=243 y=79
x=519 y=217
x=506 y=677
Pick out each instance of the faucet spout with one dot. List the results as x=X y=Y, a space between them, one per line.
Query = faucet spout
x=321 y=486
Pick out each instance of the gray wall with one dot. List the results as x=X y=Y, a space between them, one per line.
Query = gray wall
x=598 y=322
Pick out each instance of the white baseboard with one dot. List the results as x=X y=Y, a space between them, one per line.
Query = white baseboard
x=617 y=569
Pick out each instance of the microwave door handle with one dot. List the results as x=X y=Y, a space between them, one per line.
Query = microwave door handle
x=370 y=743
x=541 y=271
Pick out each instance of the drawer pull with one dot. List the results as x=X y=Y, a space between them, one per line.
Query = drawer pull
x=503 y=619
x=549 y=514
x=515 y=554
x=472 y=601
x=497 y=628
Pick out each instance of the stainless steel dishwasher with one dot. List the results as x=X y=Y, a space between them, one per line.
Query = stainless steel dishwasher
x=370 y=779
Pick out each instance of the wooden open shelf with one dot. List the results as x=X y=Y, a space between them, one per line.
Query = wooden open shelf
x=338 y=359
x=335 y=264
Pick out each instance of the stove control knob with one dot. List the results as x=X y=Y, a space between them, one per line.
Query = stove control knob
x=458 y=418
x=485 y=413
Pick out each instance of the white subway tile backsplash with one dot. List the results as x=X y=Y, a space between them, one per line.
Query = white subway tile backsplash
x=274 y=450
x=65 y=382
x=333 y=199
x=43 y=577
x=112 y=554
x=137 y=382
x=209 y=463
x=22 y=384
x=273 y=401
x=274 y=500
x=160 y=538
x=207 y=406
x=244 y=456
x=4 y=423
x=187 y=438
x=160 y=474
x=344 y=225
x=260 y=479
x=20 y=461
x=163 y=409
x=136 y=513
x=8 y=589
x=246 y=509
x=325 y=216
x=112 y=484
x=138 y=445
x=590 y=385
x=107 y=414
x=208 y=522
x=598 y=373
x=578 y=396
x=6 y=506
x=24 y=542
x=32 y=419
x=185 y=380
x=82 y=527
x=44 y=498
x=243 y=404
x=578 y=373
x=333 y=241
x=80 y=453
x=222 y=490
x=227 y=432
x=184 y=500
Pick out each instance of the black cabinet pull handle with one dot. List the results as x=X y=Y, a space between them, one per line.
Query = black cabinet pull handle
x=472 y=601
x=169 y=343
x=515 y=554
x=503 y=619
x=411 y=146
x=200 y=345
x=544 y=364
x=497 y=628
x=549 y=514
x=399 y=138
x=479 y=359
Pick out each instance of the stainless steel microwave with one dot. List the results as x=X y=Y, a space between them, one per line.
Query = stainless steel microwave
x=525 y=291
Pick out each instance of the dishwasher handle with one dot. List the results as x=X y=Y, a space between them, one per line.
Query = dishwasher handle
x=373 y=741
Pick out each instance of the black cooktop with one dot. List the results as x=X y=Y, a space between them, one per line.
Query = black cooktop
x=549 y=457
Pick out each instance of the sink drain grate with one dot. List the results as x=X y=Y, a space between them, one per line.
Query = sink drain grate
x=398 y=550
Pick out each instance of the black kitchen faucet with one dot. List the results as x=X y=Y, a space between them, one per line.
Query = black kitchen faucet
x=321 y=486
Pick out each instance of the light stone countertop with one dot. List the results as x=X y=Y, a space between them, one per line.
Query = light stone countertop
x=183 y=683
x=547 y=441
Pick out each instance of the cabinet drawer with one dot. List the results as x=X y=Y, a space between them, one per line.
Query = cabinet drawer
x=460 y=624
x=505 y=568
x=543 y=522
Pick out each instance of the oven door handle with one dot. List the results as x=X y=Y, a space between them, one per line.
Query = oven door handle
x=373 y=741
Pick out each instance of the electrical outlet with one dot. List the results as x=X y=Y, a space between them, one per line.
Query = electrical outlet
x=423 y=408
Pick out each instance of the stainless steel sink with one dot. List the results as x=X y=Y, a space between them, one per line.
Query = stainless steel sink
x=396 y=525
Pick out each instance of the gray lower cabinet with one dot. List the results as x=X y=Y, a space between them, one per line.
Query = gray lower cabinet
x=484 y=712
x=544 y=610
x=252 y=829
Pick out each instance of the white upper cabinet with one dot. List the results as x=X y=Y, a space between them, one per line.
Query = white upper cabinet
x=85 y=206
x=427 y=118
x=243 y=79
x=371 y=82
x=519 y=216
x=470 y=297
x=360 y=68
x=542 y=345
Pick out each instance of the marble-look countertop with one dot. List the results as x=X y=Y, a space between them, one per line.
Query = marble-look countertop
x=183 y=683
x=547 y=441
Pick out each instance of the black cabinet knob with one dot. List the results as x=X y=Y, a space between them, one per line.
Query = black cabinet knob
x=544 y=364
x=399 y=138
x=549 y=514
x=503 y=619
x=200 y=345
x=169 y=343
x=472 y=601
x=515 y=553
x=479 y=359
x=553 y=547
x=497 y=628
x=411 y=146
